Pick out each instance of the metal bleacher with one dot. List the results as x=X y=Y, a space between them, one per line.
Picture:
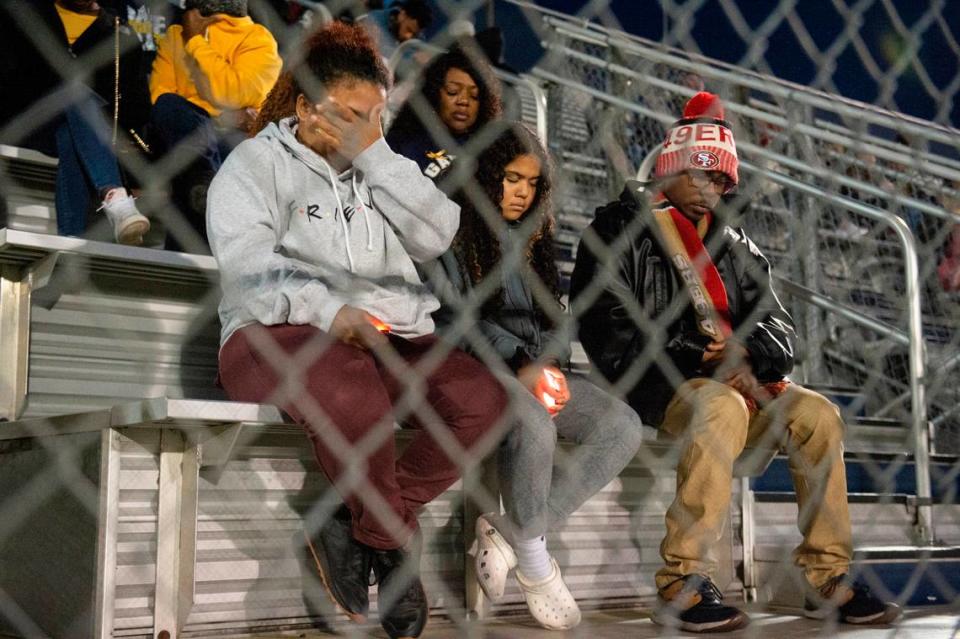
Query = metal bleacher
x=163 y=508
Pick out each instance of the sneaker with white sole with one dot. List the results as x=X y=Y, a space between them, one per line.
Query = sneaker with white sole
x=851 y=603
x=550 y=601
x=694 y=604
x=493 y=558
x=129 y=225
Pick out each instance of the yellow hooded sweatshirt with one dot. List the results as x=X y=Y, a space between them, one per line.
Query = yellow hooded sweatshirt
x=232 y=66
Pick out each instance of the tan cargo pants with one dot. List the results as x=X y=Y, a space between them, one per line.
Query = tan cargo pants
x=712 y=426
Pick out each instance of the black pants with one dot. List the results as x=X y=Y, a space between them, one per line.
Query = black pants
x=181 y=127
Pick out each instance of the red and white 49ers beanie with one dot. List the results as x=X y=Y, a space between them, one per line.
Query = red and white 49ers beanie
x=702 y=140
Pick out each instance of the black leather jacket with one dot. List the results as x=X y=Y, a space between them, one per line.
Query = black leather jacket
x=639 y=304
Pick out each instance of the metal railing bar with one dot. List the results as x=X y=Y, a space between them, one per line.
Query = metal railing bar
x=756 y=114
x=829 y=304
x=890 y=147
x=769 y=84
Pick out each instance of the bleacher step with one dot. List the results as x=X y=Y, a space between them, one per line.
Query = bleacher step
x=912 y=575
x=777 y=497
x=873 y=472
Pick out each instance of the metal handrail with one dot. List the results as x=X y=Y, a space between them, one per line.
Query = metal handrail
x=540 y=97
x=754 y=114
x=829 y=304
x=916 y=349
x=809 y=130
x=656 y=52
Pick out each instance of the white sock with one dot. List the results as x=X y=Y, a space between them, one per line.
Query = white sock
x=533 y=560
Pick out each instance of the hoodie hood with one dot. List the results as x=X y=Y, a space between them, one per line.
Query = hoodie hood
x=236 y=8
x=284 y=132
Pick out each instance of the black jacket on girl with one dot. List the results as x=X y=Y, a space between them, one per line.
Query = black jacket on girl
x=515 y=330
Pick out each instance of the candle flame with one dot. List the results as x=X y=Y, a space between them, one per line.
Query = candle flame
x=552 y=379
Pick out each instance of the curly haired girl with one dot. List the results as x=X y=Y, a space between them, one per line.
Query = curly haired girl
x=502 y=267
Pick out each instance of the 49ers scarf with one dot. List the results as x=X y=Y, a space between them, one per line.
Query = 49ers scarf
x=683 y=243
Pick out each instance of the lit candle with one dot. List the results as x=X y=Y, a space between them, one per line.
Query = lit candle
x=552 y=379
x=548 y=402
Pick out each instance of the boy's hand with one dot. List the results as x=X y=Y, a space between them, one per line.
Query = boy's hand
x=713 y=354
x=732 y=365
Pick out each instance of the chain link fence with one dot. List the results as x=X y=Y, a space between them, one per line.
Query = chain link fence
x=137 y=501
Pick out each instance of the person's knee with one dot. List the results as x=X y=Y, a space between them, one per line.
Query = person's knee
x=470 y=398
x=718 y=418
x=814 y=413
x=631 y=431
x=486 y=397
x=531 y=428
x=173 y=116
x=720 y=406
x=168 y=105
x=621 y=425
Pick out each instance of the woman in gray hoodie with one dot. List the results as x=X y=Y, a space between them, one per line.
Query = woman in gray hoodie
x=317 y=226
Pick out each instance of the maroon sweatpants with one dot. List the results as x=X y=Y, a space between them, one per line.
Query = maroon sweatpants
x=345 y=399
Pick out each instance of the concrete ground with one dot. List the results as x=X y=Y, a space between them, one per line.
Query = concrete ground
x=924 y=623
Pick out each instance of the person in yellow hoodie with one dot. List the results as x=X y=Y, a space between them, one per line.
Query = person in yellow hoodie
x=210 y=76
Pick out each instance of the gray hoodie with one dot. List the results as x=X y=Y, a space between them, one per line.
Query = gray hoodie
x=295 y=242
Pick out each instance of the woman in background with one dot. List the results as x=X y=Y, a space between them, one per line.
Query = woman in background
x=457 y=96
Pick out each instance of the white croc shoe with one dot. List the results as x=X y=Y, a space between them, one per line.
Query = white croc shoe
x=549 y=600
x=493 y=558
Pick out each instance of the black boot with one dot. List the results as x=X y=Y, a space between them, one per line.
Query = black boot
x=400 y=596
x=343 y=564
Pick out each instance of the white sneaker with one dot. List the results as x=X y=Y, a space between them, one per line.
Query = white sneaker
x=550 y=601
x=129 y=225
x=493 y=558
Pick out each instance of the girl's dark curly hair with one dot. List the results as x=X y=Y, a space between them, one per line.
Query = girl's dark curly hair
x=476 y=245
x=408 y=124
x=333 y=53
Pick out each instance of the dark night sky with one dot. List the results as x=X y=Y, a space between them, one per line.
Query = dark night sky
x=716 y=38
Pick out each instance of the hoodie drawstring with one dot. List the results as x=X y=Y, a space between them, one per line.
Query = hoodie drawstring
x=363 y=209
x=343 y=217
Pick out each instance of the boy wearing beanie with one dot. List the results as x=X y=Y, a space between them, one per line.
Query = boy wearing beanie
x=720 y=381
x=210 y=76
